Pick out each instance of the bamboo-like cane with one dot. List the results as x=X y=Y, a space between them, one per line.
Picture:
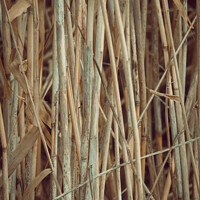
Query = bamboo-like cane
x=91 y=108
x=100 y=33
x=62 y=64
x=36 y=83
x=30 y=78
x=54 y=110
x=128 y=42
x=78 y=51
x=134 y=62
x=70 y=42
x=140 y=32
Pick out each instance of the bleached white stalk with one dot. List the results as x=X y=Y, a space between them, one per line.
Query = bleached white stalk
x=94 y=147
x=70 y=42
x=36 y=84
x=62 y=64
x=13 y=133
x=54 y=111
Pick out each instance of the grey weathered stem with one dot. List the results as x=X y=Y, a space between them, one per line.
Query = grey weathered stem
x=14 y=133
x=62 y=64
x=173 y=123
x=87 y=122
x=86 y=125
x=36 y=83
x=71 y=43
x=78 y=51
x=54 y=111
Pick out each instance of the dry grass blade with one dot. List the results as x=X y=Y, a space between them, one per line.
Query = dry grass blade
x=35 y=182
x=77 y=87
x=14 y=68
x=171 y=97
x=18 y=8
x=21 y=151
x=6 y=82
x=182 y=11
x=29 y=90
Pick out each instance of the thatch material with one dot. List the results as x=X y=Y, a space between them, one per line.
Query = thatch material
x=99 y=99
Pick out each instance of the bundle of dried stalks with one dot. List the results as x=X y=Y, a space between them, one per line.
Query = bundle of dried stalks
x=99 y=99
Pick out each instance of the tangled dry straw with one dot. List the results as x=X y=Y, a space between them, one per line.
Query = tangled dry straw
x=99 y=99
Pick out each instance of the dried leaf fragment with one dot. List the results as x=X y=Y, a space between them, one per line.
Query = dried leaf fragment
x=18 y=8
x=21 y=151
x=183 y=13
x=6 y=82
x=35 y=182
x=171 y=97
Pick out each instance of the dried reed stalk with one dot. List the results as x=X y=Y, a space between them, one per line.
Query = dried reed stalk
x=5 y=158
x=99 y=99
